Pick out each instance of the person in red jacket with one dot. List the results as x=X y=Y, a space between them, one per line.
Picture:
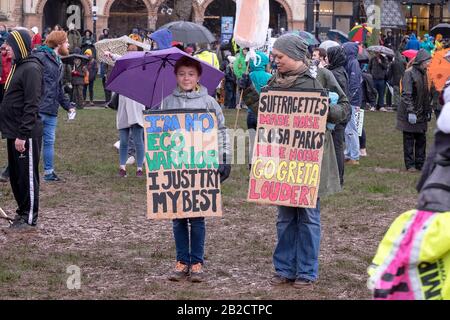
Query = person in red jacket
x=36 y=41
x=5 y=69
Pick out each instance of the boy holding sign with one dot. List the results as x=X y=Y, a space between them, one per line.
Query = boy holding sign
x=190 y=95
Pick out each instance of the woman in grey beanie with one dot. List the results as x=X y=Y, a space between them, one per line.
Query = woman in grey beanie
x=296 y=255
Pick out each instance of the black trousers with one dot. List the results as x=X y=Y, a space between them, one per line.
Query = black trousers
x=107 y=92
x=24 y=178
x=414 y=149
x=362 y=140
x=339 y=141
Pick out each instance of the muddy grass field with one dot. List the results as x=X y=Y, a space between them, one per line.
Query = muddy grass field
x=96 y=221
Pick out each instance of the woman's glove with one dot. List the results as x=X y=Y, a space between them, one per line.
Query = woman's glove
x=224 y=171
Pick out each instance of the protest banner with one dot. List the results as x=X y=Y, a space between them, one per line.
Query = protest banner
x=288 y=151
x=182 y=158
x=227 y=27
x=359 y=118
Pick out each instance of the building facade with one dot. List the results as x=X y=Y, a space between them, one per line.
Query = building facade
x=123 y=15
x=417 y=16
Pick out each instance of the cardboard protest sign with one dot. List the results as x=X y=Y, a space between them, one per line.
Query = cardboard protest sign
x=359 y=118
x=182 y=157
x=288 y=150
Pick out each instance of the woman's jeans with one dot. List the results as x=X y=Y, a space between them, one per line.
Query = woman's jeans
x=138 y=137
x=49 y=123
x=352 y=138
x=193 y=253
x=296 y=254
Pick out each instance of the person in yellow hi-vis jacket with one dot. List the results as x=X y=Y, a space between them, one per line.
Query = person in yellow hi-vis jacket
x=413 y=259
x=205 y=55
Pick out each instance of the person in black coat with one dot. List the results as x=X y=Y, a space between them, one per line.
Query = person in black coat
x=378 y=67
x=336 y=64
x=415 y=111
x=21 y=125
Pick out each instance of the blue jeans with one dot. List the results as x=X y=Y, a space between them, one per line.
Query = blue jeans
x=296 y=255
x=197 y=240
x=380 y=86
x=352 y=138
x=49 y=123
x=138 y=137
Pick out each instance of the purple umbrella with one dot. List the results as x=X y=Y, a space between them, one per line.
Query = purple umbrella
x=148 y=77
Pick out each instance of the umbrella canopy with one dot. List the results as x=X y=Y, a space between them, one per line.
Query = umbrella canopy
x=329 y=44
x=410 y=54
x=381 y=49
x=439 y=69
x=71 y=58
x=189 y=32
x=442 y=28
x=117 y=46
x=308 y=37
x=148 y=77
x=337 y=35
x=360 y=33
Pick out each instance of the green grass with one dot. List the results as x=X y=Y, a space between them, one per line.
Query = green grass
x=97 y=221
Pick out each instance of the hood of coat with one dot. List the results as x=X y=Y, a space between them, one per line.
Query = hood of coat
x=195 y=94
x=336 y=57
x=422 y=56
x=351 y=50
x=262 y=62
x=163 y=38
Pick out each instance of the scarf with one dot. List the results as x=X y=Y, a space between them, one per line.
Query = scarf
x=287 y=80
x=46 y=48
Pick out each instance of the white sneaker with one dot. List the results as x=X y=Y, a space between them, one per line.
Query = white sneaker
x=383 y=109
x=117 y=145
x=362 y=153
x=373 y=109
x=131 y=160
